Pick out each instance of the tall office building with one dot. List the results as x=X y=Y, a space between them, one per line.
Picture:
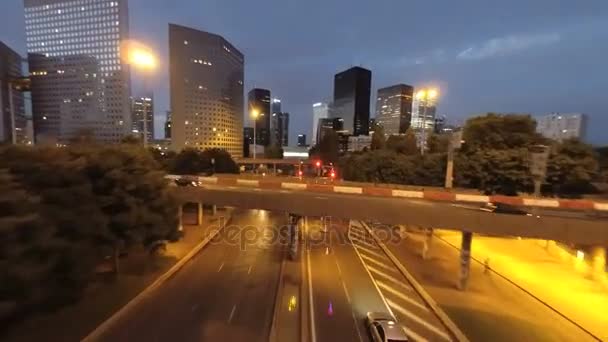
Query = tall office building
x=424 y=111
x=10 y=70
x=329 y=124
x=394 y=108
x=247 y=140
x=168 y=120
x=275 y=106
x=143 y=109
x=352 y=89
x=302 y=140
x=320 y=110
x=259 y=100
x=280 y=129
x=206 y=77
x=559 y=126
x=79 y=82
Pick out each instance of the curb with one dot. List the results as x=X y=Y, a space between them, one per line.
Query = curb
x=443 y=317
x=103 y=327
x=527 y=292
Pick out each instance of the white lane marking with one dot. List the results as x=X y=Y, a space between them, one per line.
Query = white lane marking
x=357 y=326
x=381 y=264
x=370 y=251
x=402 y=296
x=221 y=266
x=320 y=197
x=472 y=198
x=373 y=281
x=541 y=202
x=257 y=189
x=600 y=206
x=248 y=182
x=408 y=193
x=249 y=270
x=416 y=337
x=208 y=179
x=294 y=186
x=232 y=187
x=384 y=275
x=310 y=299
x=232 y=313
x=339 y=269
x=364 y=242
x=284 y=191
x=348 y=189
x=419 y=320
x=345 y=291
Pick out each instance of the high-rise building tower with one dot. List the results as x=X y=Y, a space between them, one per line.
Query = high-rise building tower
x=275 y=106
x=280 y=129
x=320 y=110
x=143 y=109
x=11 y=100
x=394 y=108
x=206 y=77
x=352 y=90
x=79 y=81
x=302 y=140
x=168 y=124
x=559 y=126
x=259 y=101
x=424 y=111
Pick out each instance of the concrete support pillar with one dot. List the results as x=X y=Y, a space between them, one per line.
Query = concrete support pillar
x=598 y=262
x=214 y=209
x=199 y=214
x=465 y=259
x=426 y=244
x=180 y=224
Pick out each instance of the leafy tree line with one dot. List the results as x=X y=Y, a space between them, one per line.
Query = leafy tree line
x=494 y=159
x=63 y=211
x=191 y=161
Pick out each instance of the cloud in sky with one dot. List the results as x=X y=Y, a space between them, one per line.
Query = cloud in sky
x=509 y=44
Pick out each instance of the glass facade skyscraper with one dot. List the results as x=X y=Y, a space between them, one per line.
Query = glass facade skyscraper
x=394 y=108
x=206 y=77
x=259 y=100
x=143 y=107
x=10 y=70
x=79 y=81
x=352 y=89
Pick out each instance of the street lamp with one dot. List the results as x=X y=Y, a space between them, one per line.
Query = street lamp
x=424 y=96
x=142 y=58
x=254 y=115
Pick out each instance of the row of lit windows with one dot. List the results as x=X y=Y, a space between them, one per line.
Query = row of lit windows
x=65 y=46
x=37 y=12
x=61 y=15
x=89 y=35
x=75 y=25
x=71 y=4
x=78 y=49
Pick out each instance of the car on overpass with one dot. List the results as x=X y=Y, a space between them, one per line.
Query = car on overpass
x=383 y=328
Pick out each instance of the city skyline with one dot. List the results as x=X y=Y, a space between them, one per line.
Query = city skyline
x=507 y=68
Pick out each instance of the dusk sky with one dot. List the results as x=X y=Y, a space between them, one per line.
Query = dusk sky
x=525 y=56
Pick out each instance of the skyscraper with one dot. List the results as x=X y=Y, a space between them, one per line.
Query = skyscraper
x=168 y=120
x=280 y=129
x=320 y=110
x=424 y=111
x=10 y=70
x=259 y=100
x=247 y=140
x=79 y=82
x=302 y=140
x=394 y=108
x=559 y=126
x=143 y=109
x=352 y=90
x=206 y=77
x=275 y=105
x=329 y=124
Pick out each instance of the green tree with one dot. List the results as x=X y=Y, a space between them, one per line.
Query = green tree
x=222 y=161
x=438 y=143
x=273 y=152
x=602 y=153
x=378 y=138
x=131 y=140
x=328 y=148
x=501 y=131
x=405 y=144
x=571 y=168
x=190 y=161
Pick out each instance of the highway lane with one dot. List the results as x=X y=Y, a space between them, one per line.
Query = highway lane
x=226 y=293
x=351 y=276
x=491 y=308
x=578 y=230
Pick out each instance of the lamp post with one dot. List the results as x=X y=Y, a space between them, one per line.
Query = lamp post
x=424 y=96
x=143 y=59
x=254 y=114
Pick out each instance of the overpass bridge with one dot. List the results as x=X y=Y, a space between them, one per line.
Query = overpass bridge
x=578 y=222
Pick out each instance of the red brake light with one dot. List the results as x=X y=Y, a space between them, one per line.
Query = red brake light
x=318 y=163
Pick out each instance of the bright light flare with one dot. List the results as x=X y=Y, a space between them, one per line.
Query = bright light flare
x=255 y=113
x=580 y=255
x=142 y=59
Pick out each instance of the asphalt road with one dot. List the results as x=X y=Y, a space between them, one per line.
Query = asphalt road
x=491 y=309
x=226 y=293
x=350 y=277
x=578 y=229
